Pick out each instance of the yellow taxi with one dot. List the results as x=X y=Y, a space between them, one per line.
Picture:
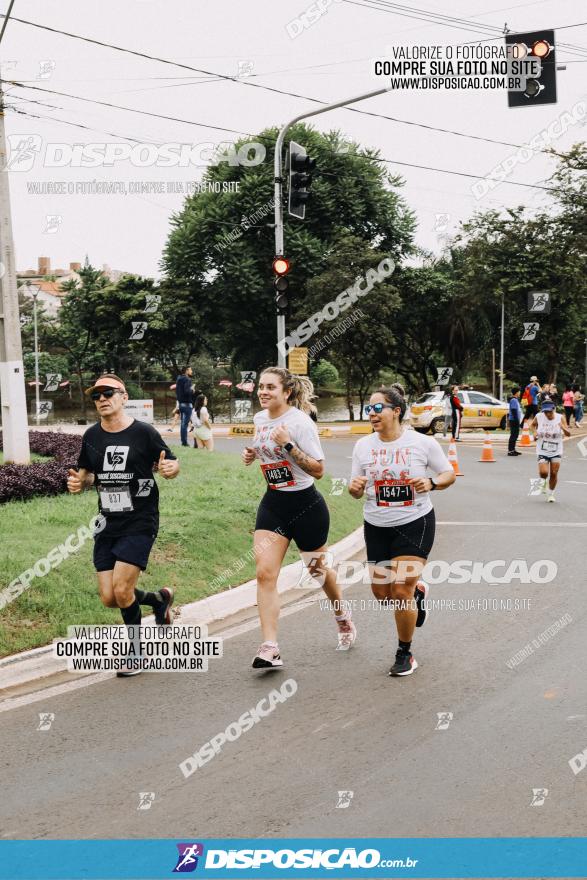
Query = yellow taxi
x=479 y=411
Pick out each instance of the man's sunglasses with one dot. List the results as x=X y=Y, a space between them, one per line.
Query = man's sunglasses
x=378 y=407
x=108 y=393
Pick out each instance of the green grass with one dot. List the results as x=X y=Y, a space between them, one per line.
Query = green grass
x=207 y=523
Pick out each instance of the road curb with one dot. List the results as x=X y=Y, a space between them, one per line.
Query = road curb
x=20 y=670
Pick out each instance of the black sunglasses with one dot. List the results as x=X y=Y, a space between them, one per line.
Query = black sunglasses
x=108 y=393
x=378 y=407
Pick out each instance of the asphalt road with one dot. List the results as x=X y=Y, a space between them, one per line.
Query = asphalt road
x=349 y=727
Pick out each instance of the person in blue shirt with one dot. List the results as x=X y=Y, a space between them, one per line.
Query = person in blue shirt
x=183 y=392
x=515 y=417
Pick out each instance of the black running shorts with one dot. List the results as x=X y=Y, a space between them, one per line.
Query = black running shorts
x=133 y=549
x=301 y=516
x=412 y=539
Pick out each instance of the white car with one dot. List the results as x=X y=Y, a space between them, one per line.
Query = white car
x=479 y=411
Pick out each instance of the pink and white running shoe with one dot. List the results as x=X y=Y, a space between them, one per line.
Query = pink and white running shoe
x=268 y=657
x=347 y=632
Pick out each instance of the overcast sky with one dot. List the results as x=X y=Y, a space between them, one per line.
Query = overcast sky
x=328 y=61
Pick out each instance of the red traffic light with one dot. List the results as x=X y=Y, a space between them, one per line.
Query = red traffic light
x=541 y=49
x=281 y=266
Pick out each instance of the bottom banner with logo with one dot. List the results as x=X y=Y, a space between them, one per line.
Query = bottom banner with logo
x=349 y=857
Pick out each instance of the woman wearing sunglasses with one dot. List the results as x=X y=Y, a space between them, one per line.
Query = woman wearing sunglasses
x=390 y=469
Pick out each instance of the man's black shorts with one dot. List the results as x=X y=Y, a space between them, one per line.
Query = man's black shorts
x=301 y=516
x=133 y=549
x=412 y=539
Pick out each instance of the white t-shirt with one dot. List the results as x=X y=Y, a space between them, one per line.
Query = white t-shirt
x=279 y=469
x=389 y=500
x=549 y=436
x=198 y=420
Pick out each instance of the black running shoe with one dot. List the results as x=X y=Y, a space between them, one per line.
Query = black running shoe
x=405 y=663
x=163 y=610
x=420 y=593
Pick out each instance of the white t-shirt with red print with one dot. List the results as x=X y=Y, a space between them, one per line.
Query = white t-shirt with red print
x=279 y=469
x=389 y=499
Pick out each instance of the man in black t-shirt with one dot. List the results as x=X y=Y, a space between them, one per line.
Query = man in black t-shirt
x=117 y=457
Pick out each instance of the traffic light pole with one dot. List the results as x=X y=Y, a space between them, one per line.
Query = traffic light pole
x=15 y=431
x=278 y=166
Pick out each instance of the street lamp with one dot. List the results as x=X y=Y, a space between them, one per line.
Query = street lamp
x=502 y=346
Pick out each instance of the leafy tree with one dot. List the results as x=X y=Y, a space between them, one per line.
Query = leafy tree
x=222 y=244
x=360 y=341
x=75 y=331
x=324 y=373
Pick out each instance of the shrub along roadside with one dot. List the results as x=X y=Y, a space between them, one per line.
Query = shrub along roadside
x=23 y=481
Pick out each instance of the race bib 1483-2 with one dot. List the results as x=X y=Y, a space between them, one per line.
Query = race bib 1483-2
x=278 y=474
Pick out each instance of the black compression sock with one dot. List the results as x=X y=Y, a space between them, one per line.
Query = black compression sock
x=405 y=646
x=132 y=614
x=144 y=598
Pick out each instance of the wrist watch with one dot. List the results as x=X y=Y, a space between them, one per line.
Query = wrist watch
x=433 y=485
x=288 y=447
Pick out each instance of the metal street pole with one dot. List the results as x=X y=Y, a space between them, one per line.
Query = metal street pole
x=502 y=347
x=15 y=430
x=278 y=168
x=35 y=295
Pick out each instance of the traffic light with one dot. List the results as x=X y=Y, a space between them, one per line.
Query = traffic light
x=300 y=180
x=281 y=267
x=528 y=47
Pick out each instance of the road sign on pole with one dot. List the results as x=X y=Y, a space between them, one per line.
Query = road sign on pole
x=444 y=374
x=298 y=361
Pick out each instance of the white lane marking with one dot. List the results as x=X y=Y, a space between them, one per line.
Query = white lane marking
x=576 y=482
x=549 y=525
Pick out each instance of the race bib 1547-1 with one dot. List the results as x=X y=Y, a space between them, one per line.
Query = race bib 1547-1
x=394 y=493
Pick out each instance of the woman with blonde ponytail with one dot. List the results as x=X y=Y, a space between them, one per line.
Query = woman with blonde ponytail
x=287 y=446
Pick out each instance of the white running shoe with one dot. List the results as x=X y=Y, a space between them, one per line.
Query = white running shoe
x=551 y=497
x=347 y=631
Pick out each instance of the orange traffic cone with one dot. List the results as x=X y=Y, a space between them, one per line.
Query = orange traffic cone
x=453 y=458
x=525 y=441
x=487 y=451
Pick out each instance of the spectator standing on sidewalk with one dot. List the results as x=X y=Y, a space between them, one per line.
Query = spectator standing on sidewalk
x=578 y=397
x=568 y=404
x=447 y=410
x=183 y=392
x=515 y=417
x=203 y=438
x=457 y=412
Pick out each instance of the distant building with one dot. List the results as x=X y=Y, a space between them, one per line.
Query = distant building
x=50 y=294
